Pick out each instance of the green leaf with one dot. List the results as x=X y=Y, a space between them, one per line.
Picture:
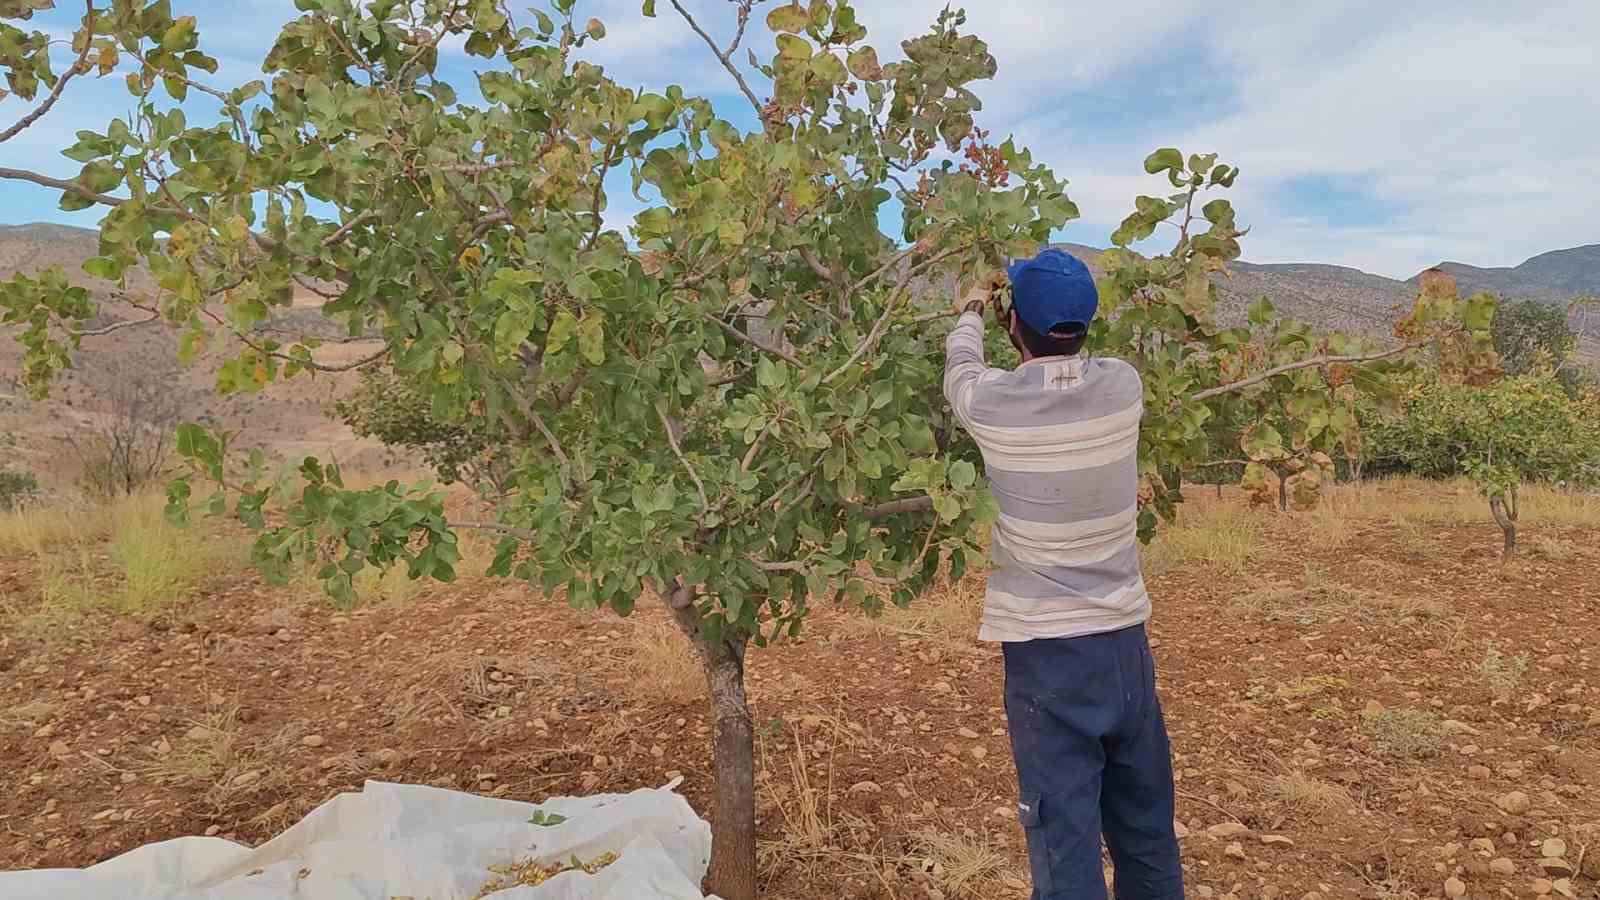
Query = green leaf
x=107 y=267
x=591 y=339
x=1165 y=159
x=963 y=475
x=650 y=8
x=948 y=507
x=561 y=331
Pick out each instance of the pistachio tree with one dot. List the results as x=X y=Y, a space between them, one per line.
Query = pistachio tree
x=729 y=405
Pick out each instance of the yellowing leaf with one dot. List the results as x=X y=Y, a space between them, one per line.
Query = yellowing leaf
x=789 y=18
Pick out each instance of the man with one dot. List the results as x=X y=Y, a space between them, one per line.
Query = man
x=1060 y=436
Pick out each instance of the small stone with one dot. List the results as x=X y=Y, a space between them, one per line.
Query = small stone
x=968 y=733
x=45 y=730
x=246 y=778
x=1433 y=653
x=1373 y=708
x=1478 y=772
x=1454 y=726
x=1311 y=895
x=313 y=740
x=1554 y=847
x=1180 y=829
x=1276 y=840
x=142 y=699
x=542 y=725
x=1514 y=803
x=1501 y=865
x=978 y=752
x=213 y=830
x=1543 y=886
x=1223 y=830
x=1455 y=887
x=866 y=787
x=1555 y=866
x=387 y=756
x=198 y=733
x=1235 y=850
x=942 y=687
x=1482 y=845
x=1563 y=887
x=59 y=749
x=283 y=635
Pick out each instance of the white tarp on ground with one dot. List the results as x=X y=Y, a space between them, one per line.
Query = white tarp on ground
x=407 y=841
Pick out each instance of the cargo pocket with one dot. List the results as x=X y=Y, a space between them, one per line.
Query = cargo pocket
x=1038 y=848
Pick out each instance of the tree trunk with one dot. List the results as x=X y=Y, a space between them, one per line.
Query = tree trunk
x=1219 y=490
x=1505 y=515
x=732 y=875
x=1283 y=492
x=733 y=846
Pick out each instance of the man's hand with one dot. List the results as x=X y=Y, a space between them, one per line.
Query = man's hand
x=986 y=293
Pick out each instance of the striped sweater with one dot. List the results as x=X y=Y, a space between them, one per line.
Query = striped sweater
x=1060 y=439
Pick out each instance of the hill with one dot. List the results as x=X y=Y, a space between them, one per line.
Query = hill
x=1554 y=277
x=288 y=422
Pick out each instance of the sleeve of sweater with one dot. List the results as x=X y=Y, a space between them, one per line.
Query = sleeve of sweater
x=963 y=364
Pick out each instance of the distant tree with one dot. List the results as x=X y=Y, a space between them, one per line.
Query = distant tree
x=399 y=412
x=1526 y=330
x=125 y=441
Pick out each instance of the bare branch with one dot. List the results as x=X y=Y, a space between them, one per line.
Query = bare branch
x=755 y=445
x=62 y=184
x=672 y=441
x=892 y=508
x=744 y=19
x=523 y=533
x=117 y=326
x=1311 y=363
x=344 y=230
x=882 y=324
x=78 y=65
x=727 y=62
x=779 y=352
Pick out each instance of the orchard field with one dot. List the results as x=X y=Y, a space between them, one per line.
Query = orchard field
x=1363 y=703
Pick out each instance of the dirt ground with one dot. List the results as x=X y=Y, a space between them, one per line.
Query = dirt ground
x=1363 y=703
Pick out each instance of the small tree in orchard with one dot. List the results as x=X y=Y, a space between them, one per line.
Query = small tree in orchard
x=733 y=407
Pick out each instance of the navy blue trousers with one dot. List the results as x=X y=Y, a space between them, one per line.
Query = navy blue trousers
x=1093 y=759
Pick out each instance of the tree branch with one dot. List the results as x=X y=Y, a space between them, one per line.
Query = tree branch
x=882 y=324
x=779 y=352
x=78 y=65
x=699 y=486
x=722 y=57
x=117 y=326
x=1311 y=363
x=62 y=184
x=523 y=533
x=892 y=508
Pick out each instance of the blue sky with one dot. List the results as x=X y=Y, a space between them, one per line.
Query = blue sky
x=1380 y=135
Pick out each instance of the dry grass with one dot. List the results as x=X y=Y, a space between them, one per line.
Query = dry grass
x=1553 y=548
x=1416 y=500
x=662 y=664
x=962 y=862
x=159 y=562
x=214 y=755
x=1221 y=534
x=948 y=613
x=1320 y=599
x=1502 y=674
x=1309 y=794
x=35 y=530
x=1409 y=733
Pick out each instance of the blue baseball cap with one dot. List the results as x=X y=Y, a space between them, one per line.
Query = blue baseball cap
x=1053 y=290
